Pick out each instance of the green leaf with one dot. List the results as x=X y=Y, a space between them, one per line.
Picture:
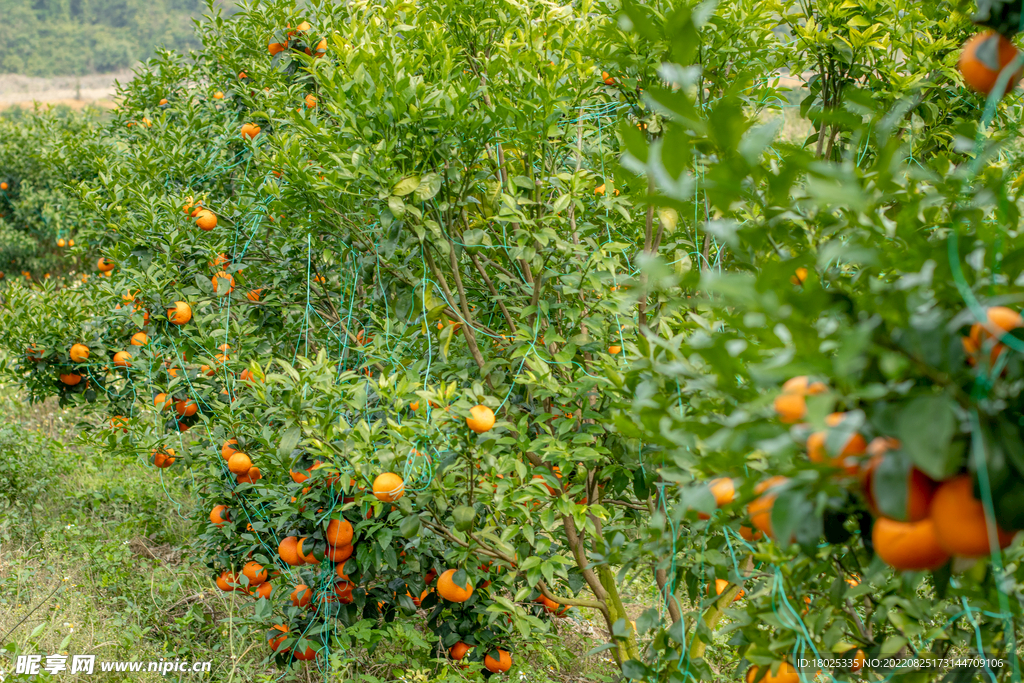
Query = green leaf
x=289 y=441
x=925 y=427
x=410 y=526
x=397 y=206
x=464 y=516
x=429 y=186
x=406 y=186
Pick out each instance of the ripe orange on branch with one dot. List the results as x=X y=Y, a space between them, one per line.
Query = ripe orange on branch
x=339 y=532
x=388 y=487
x=760 y=510
x=983 y=57
x=481 y=419
x=449 y=590
x=239 y=463
x=1000 y=320
x=959 y=518
x=908 y=545
x=500 y=665
x=219 y=515
x=180 y=314
x=288 y=551
x=79 y=353
x=163 y=457
x=785 y=674
x=255 y=572
x=791 y=404
x=206 y=220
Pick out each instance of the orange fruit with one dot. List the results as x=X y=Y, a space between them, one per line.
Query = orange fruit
x=105 y=265
x=250 y=477
x=723 y=489
x=908 y=545
x=276 y=641
x=307 y=655
x=388 y=487
x=186 y=407
x=799 y=276
x=239 y=463
x=219 y=515
x=321 y=47
x=163 y=457
x=139 y=339
x=274 y=48
x=339 y=553
x=500 y=665
x=721 y=585
x=79 y=353
x=975 y=62
x=859 y=659
x=227 y=581
x=847 y=459
x=263 y=591
x=119 y=421
x=920 y=489
x=760 y=509
x=301 y=595
x=791 y=408
x=162 y=102
x=250 y=130
x=959 y=517
x=748 y=534
x=218 y=95
x=180 y=314
x=70 y=379
x=1001 y=319
x=255 y=572
x=481 y=419
x=306 y=558
x=414 y=406
x=459 y=650
x=3 y=186
x=448 y=590
x=206 y=220
x=614 y=349
x=310 y=101
x=288 y=551
x=786 y=674
x=228 y=447
x=339 y=533
x=162 y=402
x=254 y=295
x=123 y=359
x=228 y=280
x=804 y=386
x=607 y=79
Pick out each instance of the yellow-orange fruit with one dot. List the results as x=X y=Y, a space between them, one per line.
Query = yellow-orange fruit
x=959 y=517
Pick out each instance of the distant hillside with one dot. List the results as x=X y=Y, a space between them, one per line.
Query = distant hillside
x=77 y=37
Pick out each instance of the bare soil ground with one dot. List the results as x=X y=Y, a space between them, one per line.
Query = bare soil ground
x=73 y=91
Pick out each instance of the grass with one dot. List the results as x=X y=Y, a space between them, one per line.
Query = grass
x=95 y=559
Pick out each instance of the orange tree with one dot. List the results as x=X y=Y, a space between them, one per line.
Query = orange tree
x=38 y=216
x=366 y=272
x=845 y=389
x=372 y=273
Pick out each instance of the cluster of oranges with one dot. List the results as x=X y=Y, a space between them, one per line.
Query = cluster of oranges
x=938 y=520
x=334 y=543
x=301 y=29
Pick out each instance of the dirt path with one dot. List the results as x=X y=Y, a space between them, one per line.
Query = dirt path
x=73 y=91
